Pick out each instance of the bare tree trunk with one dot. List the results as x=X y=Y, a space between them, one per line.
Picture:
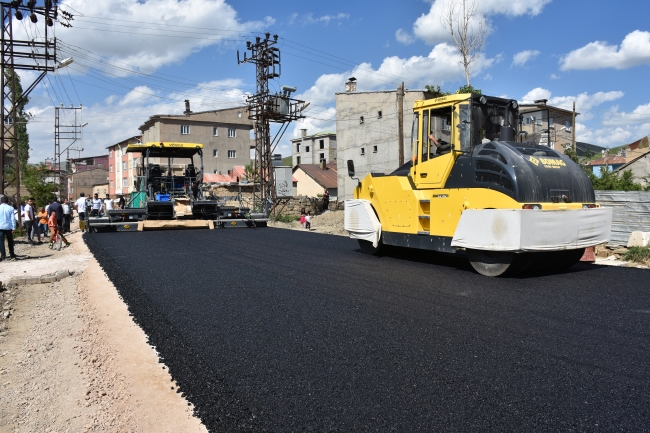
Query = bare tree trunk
x=466 y=25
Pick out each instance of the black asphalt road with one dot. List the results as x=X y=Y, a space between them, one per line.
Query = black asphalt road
x=277 y=330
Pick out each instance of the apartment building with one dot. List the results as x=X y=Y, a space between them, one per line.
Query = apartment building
x=226 y=135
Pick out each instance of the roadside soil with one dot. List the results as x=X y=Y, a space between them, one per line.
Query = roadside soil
x=328 y=222
x=71 y=358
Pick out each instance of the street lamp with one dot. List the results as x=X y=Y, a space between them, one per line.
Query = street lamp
x=64 y=63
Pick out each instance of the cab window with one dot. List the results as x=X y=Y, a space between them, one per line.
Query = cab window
x=436 y=132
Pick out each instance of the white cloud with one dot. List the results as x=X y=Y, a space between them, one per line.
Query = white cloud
x=310 y=19
x=404 y=37
x=555 y=77
x=440 y=66
x=640 y=114
x=428 y=27
x=118 y=116
x=606 y=137
x=633 y=51
x=584 y=101
x=126 y=30
x=521 y=58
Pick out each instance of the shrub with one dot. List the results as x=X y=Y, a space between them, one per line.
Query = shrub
x=637 y=254
x=286 y=218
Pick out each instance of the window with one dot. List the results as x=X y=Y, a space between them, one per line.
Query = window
x=185 y=129
x=361 y=120
x=321 y=143
x=379 y=114
x=231 y=132
x=363 y=151
x=298 y=148
x=322 y=157
x=8 y=120
x=551 y=122
x=110 y=168
x=215 y=153
x=239 y=114
x=567 y=125
x=232 y=154
x=216 y=171
x=123 y=165
x=297 y=160
x=110 y=153
x=374 y=149
x=306 y=148
x=111 y=185
x=125 y=182
x=215 y=131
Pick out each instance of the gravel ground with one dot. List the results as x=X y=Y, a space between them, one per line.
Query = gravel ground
x=71 y=359
x=278 y=330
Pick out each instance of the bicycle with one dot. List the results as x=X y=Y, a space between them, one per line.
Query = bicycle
x=57 y=241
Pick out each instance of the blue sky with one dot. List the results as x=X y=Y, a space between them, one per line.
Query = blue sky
x=134 y=59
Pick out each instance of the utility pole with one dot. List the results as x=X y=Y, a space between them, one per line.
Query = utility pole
x=28 y=55
x=69 y=133
x=573 y=129
x=264 y=108
x=400 y=123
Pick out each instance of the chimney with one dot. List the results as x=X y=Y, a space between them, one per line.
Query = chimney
x=541 y=101
x=303 y=133
x=323 y=164
x=351 y=85
x=187 y=111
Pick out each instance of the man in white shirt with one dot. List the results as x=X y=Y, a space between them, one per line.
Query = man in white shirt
x=80 y=204
x=108 y=204
x=28 y=218
x=97 y=205
x=66 y=216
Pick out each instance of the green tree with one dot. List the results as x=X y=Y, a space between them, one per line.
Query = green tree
x=435 y=91
x=250 y=174
x=33 y=177
x=469 y=89
x=20 y=118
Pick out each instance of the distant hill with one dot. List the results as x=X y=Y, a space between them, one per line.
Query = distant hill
x=287 y=161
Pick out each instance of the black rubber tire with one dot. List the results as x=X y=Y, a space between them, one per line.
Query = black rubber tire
x=572 y=258
x=490 y=263
x=366 y=247
x=521 y=264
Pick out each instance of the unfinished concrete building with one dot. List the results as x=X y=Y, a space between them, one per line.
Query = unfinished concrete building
x=367 y=133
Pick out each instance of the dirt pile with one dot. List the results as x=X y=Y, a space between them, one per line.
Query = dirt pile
x=329 y=222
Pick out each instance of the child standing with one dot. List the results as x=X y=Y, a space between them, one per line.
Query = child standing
x=308 y=221
x=303 y=220
x=52 y=222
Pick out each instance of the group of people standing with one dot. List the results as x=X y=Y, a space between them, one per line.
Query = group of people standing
x=54 y=218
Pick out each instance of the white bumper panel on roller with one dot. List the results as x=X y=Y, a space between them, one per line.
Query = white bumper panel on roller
x=361 y=221
x=532 y=230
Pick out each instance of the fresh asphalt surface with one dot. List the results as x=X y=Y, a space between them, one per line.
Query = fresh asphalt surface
x=277 y=330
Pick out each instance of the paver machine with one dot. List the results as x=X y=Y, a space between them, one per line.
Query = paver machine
x=169 y=186
x=475 y=184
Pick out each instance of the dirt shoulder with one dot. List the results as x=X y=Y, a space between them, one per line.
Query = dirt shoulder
x=72 y=359
x=328 y=222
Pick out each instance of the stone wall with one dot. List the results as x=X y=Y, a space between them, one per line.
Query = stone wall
x=293 y=205
x=284 y=206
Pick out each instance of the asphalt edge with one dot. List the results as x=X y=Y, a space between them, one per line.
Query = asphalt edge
x=197 y=382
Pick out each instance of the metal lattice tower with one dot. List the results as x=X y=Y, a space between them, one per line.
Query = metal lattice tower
x=31 y=55
x=264 y=108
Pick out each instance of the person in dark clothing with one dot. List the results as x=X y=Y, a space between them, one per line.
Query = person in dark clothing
x=121 y=202
x=55 y=207
x=326 y=199
x=195 y=190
